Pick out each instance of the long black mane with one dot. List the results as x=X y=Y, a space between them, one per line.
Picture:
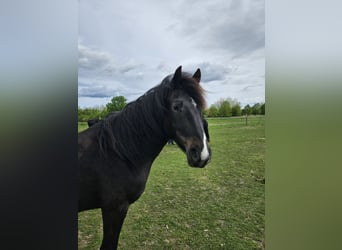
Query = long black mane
x=125 y=132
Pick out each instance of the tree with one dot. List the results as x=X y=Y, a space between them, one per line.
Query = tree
x=213 y=111
x=262 y=109
x=247 y=110
x=236 y=110
x=206 y=113
x=256 y=109
x=117 y=103
x=88 y=113
x=225 y=109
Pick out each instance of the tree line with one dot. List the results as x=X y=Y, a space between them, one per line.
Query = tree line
x=222 y=108
x=117 y=103
x=229 y=107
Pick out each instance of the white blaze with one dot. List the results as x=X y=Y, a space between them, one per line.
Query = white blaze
x=205 y=151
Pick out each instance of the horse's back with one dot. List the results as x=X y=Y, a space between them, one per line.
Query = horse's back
x=88 y=138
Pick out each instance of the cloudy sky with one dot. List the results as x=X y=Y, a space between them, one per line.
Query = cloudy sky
x=127 y=47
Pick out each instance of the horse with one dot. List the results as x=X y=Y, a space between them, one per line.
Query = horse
x=91 y=122
x=205 y=127
x=116 y=154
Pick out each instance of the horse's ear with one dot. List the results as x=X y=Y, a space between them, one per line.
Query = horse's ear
x=177 y=75
x=197 y=75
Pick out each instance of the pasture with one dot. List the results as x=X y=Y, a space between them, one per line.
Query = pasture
x=221 y=206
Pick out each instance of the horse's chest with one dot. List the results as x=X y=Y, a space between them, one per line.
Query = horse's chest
x=136 y=183
x=135 y=189
x=122 y=184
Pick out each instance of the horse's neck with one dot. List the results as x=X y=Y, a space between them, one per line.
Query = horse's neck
x=150 y=142
x=152 y=146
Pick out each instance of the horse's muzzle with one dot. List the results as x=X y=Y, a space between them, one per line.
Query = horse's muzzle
x=196 y=157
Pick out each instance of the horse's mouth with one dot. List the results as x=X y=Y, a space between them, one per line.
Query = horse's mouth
x=198 y=156
x=200 y=164
x=195 y=158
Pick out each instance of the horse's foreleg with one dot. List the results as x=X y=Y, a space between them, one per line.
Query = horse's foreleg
x=112 y=222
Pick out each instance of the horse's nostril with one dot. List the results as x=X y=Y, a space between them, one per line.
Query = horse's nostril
x=195 y=155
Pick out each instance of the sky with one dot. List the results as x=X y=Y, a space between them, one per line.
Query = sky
x=127 y=47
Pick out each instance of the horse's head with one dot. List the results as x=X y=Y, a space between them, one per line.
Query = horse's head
x=185 y=121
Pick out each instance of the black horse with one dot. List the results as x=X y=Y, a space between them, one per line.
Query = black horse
x=92 y=122
x=116 y=154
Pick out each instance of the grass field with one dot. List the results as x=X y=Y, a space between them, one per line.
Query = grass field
x=221 y=206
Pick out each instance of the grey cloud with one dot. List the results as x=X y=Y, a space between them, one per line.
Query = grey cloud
x=98 y=64
x=213 y=72
x=236 y=26
x=162 y=66
x=210 y=71
x=95 y=90
x=91 y=59
x=127 y=68
x=83 y=84
x=250 y=87
x=99 y=91
x=224 y=38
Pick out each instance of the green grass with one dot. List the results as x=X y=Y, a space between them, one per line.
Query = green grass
x=221 y=206
x=82 y=126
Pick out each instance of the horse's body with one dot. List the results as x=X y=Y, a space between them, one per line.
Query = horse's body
x=91 y=122
x=116 y=154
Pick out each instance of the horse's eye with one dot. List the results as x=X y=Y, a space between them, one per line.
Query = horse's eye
x=177 y=106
